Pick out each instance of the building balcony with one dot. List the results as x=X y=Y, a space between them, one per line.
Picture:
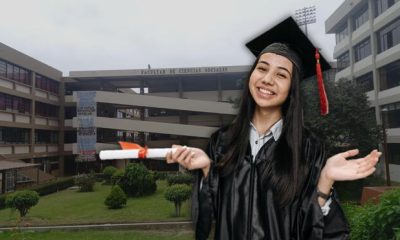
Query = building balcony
x=341 y=47
x=388 y=56
x=12 y=148
x=47 y=95
x=363 y=66
x=15 y=117
x=14 y=85
x=51 y=122
x=345 y=73
x=389 y=95
x=361 y=33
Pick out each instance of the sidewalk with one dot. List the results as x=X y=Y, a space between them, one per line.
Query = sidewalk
x=183 y=225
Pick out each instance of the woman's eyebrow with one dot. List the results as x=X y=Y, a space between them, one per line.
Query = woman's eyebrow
x=283 y=68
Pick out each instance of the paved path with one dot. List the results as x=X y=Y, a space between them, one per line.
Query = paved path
x=183 y=225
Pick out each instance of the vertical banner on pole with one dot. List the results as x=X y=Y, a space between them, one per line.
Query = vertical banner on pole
x=86 y=133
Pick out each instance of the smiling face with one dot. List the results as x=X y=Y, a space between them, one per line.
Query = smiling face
x=270 y=81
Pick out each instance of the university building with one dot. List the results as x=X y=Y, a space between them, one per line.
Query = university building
x=368 y=52
x=42 y=112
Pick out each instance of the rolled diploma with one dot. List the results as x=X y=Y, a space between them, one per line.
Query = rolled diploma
x=125 y=154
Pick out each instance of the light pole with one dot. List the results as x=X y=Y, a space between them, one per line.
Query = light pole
x=305 y=16
x=384 y=112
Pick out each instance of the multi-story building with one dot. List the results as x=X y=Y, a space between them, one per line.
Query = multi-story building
x=368 y=52
x=40 y=122
x=31 y=119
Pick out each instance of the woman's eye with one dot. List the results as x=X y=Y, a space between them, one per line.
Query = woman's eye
x=262 y=69
x=281 y=75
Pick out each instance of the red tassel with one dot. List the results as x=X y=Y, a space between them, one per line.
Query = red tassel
x=323 y=99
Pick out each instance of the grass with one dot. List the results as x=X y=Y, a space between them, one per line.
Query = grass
x=98 y=235
x=73 y=207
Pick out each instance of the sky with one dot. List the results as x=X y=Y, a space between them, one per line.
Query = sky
x=73 y=35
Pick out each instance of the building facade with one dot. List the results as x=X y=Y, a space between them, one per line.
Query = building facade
x=368 y=52
x=31 y=120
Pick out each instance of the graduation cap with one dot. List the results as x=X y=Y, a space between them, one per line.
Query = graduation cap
x=287 y=39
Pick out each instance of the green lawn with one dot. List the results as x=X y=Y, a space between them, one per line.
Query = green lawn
x=98 y=235
x=73 y=207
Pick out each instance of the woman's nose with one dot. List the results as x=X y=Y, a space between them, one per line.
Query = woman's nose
x=268 y=78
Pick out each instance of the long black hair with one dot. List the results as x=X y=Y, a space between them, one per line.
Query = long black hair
x=285 y=173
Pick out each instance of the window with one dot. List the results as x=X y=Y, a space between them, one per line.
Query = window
x=343 y=61
x=3 y=69
x=8 y=102
x=383 y=5
x=389 y=36
x=342 y=33
x=394 y=153
x=389 y=75
x=362 y=50
x=366 y=82
x=14 y=72
x=46 y=110
x=360 y=17
x=45 y=136
x=46 y=84
x=14 y=135
x=391 y=117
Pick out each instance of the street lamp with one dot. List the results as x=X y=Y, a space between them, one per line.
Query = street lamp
x=384 y=112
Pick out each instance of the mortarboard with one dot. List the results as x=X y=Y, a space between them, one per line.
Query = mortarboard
x=306 y=55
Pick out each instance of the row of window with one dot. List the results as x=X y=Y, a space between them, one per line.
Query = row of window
x=23 y=105
x=383 y=5
x=362 y=16
x=9 y=135
x=22 y=75
x=389 y=77
x=387 y=38
x=46 y=110
x=394 y=153
x=46 y=84
x=14 y=72
x=14 y=135
x=46 y=136
x=391 y=117
x=9 y=102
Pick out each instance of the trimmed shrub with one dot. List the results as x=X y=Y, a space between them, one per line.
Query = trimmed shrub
x=53 y=186
x=378 y=221
x=22 y=201
x=117 y=176
x=180 y=178
x=178 y=193
x=85 y=182
x=138 y=180
x=108 y=173
x=116 y=198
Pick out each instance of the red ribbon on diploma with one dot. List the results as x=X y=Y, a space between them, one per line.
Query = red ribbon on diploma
x=133 y=146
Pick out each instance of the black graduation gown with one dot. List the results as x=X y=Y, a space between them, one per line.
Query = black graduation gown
x=242 y=209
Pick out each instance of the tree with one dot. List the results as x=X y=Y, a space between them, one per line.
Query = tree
x=85 y=182
x=351 y=121
x=22 y=201
x=137 y=180
x=350 y=124
x=178 y=193
x=116 y=198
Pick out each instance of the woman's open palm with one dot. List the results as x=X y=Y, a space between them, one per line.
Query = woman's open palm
x=339 y=168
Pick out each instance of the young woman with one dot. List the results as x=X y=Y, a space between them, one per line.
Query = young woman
x=264 y=176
